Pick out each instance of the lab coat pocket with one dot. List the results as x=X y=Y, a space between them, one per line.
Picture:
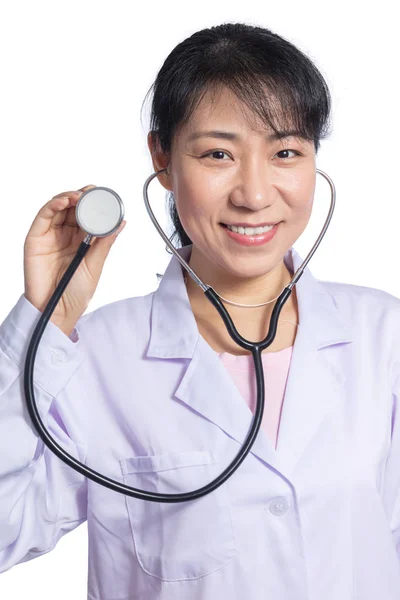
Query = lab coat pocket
x=177 y=541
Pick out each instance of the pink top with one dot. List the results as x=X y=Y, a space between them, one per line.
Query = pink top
x=276 y=370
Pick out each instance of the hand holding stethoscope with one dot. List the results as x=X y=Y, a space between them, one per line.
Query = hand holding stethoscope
x=53 y=240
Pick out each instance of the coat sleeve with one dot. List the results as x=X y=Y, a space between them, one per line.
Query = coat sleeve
x=41 y=497
x=392 y=470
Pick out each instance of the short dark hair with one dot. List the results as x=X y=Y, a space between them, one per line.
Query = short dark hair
x=248 y=60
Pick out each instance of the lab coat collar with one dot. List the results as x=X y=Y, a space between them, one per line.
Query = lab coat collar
x=174 y=332
x=315 y=380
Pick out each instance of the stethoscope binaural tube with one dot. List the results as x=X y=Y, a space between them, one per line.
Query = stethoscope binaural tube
x=105 y=224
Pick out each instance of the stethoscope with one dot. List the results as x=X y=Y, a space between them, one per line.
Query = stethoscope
x=99 y=213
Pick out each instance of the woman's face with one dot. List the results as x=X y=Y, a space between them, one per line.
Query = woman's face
x=249 y=179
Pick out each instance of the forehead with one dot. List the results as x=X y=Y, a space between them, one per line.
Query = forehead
x=221 y=104
x=223 y=109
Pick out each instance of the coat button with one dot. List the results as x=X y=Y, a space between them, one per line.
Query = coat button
x=58 y=357
x=278 y=506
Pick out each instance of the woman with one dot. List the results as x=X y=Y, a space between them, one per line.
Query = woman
x=152 y=391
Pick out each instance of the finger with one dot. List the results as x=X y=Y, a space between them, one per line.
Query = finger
x=52 y=214
x=74 y=192
x=87 y=187
x=67 y=217
x=74 y=197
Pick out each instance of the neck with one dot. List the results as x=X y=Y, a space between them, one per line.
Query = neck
x=257 y=290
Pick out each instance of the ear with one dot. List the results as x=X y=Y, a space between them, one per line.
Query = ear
x=160 y=160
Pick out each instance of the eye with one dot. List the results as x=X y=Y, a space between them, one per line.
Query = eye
x=223 y=152
x=214 y=152
x=288 y=150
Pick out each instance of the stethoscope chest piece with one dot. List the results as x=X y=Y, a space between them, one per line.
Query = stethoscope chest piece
x=99 y=211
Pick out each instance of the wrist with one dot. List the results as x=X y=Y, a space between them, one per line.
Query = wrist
x=64 y=326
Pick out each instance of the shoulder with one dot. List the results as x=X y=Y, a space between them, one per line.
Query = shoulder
x=366 y=308
x=373 y=317
x=362 y=299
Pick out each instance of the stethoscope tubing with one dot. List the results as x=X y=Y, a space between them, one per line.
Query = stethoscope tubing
x=255 y=348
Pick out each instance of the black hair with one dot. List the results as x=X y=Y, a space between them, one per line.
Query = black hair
x=268 y=73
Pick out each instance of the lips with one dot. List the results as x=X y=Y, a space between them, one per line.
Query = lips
x=256 y=239
x=249 y=225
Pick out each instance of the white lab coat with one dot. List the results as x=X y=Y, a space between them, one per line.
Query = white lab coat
x=142 y=398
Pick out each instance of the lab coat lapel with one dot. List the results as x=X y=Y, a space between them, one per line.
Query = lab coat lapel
x=314 y=384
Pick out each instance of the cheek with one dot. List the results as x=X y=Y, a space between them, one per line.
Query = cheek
x=302 y=200
x=195 y=204
x=298 y=210
x=301 y=216
x=196 y=216
x=299 y=188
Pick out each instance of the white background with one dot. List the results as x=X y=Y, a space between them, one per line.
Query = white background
x=73 y=79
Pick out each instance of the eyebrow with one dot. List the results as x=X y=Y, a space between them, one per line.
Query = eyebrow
x=227 y=135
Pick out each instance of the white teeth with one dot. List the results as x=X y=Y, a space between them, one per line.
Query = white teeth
x=250 y=230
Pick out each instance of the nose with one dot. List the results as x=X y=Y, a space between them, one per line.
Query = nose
x=254 y=187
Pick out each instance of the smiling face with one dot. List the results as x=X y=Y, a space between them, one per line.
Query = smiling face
x=240 y=176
